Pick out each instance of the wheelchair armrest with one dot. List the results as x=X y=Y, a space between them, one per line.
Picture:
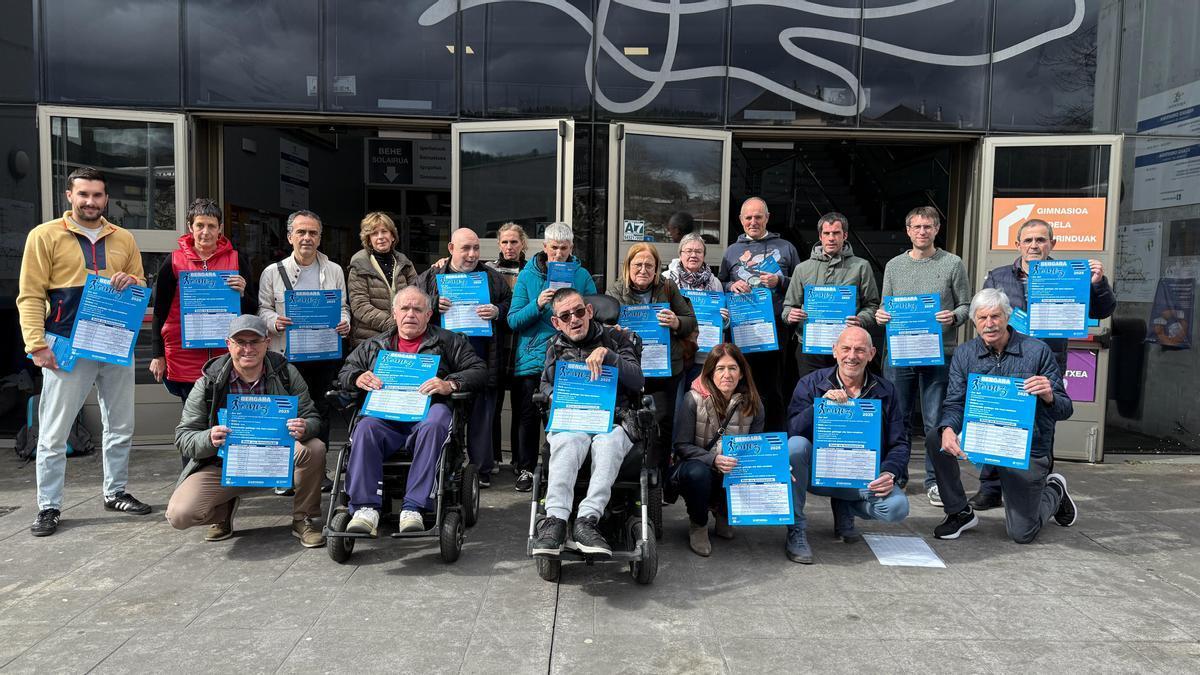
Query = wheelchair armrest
x=341 y=400
x=461 y=396
x=540 y=399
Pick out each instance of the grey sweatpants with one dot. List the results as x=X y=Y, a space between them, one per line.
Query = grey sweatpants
x=568 y=450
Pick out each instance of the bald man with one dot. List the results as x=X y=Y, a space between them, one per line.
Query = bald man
x=464 y=259
x=881 y=499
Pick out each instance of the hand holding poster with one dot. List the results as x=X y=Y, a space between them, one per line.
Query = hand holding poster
x=656 y=338
x=207 y=305
x=759 y=489
x=402 y=375
x=107 y=321
x=259 y=451
x=1059 y=294
x=467 y=293
x=315 y=316
x=64 y=354
x=914 y=335
x=580 y=403
x=707 y=305
x=752 y=321
x=827 y=308
x=846 y=440
x=998 y=421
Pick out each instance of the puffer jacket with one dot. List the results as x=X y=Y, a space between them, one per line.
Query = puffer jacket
x=697 y=422
x=532 y=325
x=370 y=294
x=500 y=295
x=208 y=396
x=843 y=269
x=624 y=352
x=683 y=346
x=459 y=363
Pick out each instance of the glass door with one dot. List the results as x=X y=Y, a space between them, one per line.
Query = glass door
x=657 y=174
x=1072 y=183
x=519 y=171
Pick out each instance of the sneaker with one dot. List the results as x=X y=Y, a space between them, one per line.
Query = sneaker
x=935 y=497
x=796 y=547
x=224 y=529
x=698 y=539
x=485 y=480
x=46 y=523
x=587 y=539
x=284 y=492
x=722 y=528
x=411 y=521
x=956 y=524
x=524 y=482
x=123 y=501
x=308 y=533
x=326 y=484
x=365 y=521
x=1067 y=514
x=549 y=536
x=982 y=501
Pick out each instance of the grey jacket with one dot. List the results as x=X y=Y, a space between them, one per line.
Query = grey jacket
x=208 y=396
x=843 y=269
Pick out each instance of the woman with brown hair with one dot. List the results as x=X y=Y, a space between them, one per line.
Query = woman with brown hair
x=374 y=276
x=722 y=401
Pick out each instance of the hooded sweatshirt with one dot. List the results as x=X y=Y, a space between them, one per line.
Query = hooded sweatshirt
x=745 y=256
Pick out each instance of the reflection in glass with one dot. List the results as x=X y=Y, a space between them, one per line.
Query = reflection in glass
x=19 y=74
x=138 y=162
x=508 y=176
x=1051 y=171
x=665 y=175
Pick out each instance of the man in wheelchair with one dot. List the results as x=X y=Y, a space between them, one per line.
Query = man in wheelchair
x=374 y=440
x=581 y=339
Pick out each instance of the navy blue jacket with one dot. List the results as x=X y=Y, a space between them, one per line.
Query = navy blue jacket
x=896 y=448
x=1022 y=357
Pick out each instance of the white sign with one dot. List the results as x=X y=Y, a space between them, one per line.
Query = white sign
x=635 y=230
x=1183 y=267
x=1167 y=172
x=293 y=175
x=1139 y=258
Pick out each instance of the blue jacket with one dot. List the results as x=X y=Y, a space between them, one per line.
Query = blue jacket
x=894 y=430
x=1022 y=357
x=532 y=325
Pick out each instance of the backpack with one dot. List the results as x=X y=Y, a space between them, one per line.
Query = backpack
x=79 y=439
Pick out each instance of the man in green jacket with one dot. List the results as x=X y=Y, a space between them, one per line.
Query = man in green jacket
x=248 y=368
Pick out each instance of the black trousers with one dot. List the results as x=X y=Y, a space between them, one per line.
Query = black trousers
x=699 y=485
x=319 y=376
x=767 y=368
x=528 y=420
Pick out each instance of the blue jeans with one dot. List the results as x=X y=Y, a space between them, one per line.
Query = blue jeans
x=862 y=503
x=930 y=383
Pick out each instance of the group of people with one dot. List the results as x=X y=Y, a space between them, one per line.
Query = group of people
x=539 y=322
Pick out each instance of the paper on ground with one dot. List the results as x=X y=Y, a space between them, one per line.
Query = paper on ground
x=902 y=551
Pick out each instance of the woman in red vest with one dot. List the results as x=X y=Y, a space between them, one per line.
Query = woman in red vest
x=203 y=248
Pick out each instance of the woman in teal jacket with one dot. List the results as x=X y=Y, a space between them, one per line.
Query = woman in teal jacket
x=529 y=318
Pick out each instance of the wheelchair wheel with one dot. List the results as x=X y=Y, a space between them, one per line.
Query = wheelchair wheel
x=451 y=536
x=340 y=548
x=654 y=497
x=646 y=569
x=470 y=495
x=548 y=569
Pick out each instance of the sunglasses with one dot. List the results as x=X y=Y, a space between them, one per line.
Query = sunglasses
x=577 y=313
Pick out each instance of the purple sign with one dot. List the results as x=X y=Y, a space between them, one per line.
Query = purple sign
x=1080 y=377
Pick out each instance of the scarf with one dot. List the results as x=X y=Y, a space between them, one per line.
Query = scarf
x=686 y=279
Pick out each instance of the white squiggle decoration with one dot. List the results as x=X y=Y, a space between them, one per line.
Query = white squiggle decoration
x=674 y=9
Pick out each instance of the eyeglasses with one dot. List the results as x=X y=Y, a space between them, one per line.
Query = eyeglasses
x=576 y=313
x=692 y=251
x=248 y=344
x=642 y=266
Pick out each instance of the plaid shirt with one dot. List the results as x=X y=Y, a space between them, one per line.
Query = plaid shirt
x=239 y=386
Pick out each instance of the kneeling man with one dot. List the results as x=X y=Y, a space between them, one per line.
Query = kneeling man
x=882 y=499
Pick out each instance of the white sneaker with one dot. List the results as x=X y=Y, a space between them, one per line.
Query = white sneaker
x=365 y=521
x=935 y=496
x=411 y=521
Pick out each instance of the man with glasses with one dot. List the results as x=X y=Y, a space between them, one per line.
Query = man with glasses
x=248 y=368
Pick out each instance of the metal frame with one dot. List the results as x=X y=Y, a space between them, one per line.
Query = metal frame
x=564 y=173
x=617 y=134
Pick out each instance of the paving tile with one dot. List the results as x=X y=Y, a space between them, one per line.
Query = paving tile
x=19 y=637
x=655 y=655
x=1036 y=656
x=1130 y=619
x=201 y=650
x=274 y=606
x=1169 y=657
x=513 y=653
x=69 y=651
x=1035 y=617
x=900 y=616
x=341 y=651
x=139 y=604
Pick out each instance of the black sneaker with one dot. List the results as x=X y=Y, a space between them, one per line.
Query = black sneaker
x=1067 y=514
x=956 y=524
x=982 y=501
x=326 y=485
x=485 y=480
x=587 y=539
x=524 y=482
x=46 y=523
x=123 y=501
x=548 y=537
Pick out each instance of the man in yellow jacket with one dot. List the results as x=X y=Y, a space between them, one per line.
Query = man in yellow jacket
x=59 y=255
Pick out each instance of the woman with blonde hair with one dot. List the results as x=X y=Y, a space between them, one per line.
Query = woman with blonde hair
x=374 y=276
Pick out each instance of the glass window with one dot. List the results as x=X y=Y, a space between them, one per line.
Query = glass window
x=1053 y=83
x=779 y=76
x=663 y=176
x=509 y=72
x=415 y=78
x=508 y=176
x=112 y=51
x=138 y=162
x=656 y=75
x=19 y=74
x=1160 y=75
x=589 y=218
x=1051 y=171
x=944 y=83
x=252 y=53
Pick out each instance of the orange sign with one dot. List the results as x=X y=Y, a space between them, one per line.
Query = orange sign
x=1078 y=222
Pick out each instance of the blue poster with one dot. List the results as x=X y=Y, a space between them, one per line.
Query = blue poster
x=707 y=305
x=914 y=335
x=580 y=403
x=64 y=355
x=315 y=316
x=1059 y=294
x=402 y=375
x=1019 y=321
x=466 y=292
x=656 y=338
x=998 y=421
x=752 y=321
x=259 y=451
x=827 y=307
x=107 y=321
x=207 y=305
x=561 y=274
x=759 y=489
x=846 y=440
x=769 y=265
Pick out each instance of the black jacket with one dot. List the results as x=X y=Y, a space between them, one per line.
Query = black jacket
x=624 y=352
x=501 y=296
x=459 y=363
